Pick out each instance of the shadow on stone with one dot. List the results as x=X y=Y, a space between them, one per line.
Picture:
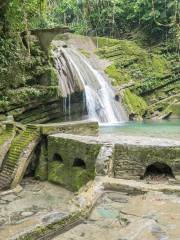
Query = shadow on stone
x=79 y=163
x=57 y=158
x=158 y=169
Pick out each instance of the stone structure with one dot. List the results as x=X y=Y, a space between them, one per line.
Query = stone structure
x=71 y=162
x=119 y=158
x=89 y=128
x=6 y=137
x=71 y=154
x=19 y=152
x=132 y=161
x=18 y=157
x=46 y=36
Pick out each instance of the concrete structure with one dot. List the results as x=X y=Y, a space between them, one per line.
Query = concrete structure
x=71 y=162
x=119 y=158
x=46 y=36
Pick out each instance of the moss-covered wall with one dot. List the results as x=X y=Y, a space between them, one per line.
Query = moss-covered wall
x=41 y=170
x=131 y=161
x=63 y=172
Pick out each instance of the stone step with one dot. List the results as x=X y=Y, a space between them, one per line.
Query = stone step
x=18 y=146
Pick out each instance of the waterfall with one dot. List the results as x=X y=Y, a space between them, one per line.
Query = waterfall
x=75 y=73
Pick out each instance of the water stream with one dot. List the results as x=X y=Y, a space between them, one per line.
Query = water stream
x=75 y=73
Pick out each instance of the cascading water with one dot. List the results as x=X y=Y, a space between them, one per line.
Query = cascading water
x=76 y=73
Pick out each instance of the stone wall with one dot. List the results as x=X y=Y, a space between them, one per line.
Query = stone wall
x=71 y=162
x=76 y=127
x=131 y=161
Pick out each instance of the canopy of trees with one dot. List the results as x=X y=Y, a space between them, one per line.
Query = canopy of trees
x=105 y=17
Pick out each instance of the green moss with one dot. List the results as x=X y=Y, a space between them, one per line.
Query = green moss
x=80 y=177
x=6 y=135
x=57 y=173
x=134 y=62
x=102 y=42
x=41 y=172
x=85 y=52
x=160 y=66
x=58 y=226
x=175 y=109
x=149 y=71
x=25 y=95
x=73 y=179
x=118 y=75
x=134 y=103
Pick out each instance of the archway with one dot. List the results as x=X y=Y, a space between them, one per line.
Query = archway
x=79 y=163
x=57 y=158
x=158 y=169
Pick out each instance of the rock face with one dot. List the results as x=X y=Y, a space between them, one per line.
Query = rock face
x=33 y=94
x=147 y=79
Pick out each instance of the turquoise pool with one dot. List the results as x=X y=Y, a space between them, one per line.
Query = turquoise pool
x=162 y=128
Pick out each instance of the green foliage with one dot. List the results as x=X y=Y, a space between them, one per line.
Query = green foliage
x=118 y=76
x=134 y=103
x=133 y=63
x=18 y=68
x=24 y=15
x=110 y=17
x=149 y=74
x=25 y=95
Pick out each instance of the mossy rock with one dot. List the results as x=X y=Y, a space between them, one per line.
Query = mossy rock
x=149 y=75
x=50 y=77
x=117 y=75
x=135 y=104
x=102 y=42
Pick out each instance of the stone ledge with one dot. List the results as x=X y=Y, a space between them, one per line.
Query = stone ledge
x=75 y=127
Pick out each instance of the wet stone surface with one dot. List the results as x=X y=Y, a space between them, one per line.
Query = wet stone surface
x=38 y=203
x=119 y=216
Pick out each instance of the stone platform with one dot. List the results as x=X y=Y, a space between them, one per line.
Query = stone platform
x=119 y=157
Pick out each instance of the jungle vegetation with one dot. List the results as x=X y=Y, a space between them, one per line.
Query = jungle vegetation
x=147 y=22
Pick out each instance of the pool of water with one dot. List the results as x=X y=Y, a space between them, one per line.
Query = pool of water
x=163 y=128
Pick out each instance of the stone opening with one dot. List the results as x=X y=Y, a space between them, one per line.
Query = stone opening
x=57 y=158
x=158 y=169
x=79 y=163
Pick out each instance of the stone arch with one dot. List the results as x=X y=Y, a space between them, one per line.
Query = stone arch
x=79 y=163
x=158 y=168
x=57 y=157
x=46 y=36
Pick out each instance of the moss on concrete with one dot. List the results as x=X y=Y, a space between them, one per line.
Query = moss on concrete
x=76 y=127
x=73 y=179
x=65 y=173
